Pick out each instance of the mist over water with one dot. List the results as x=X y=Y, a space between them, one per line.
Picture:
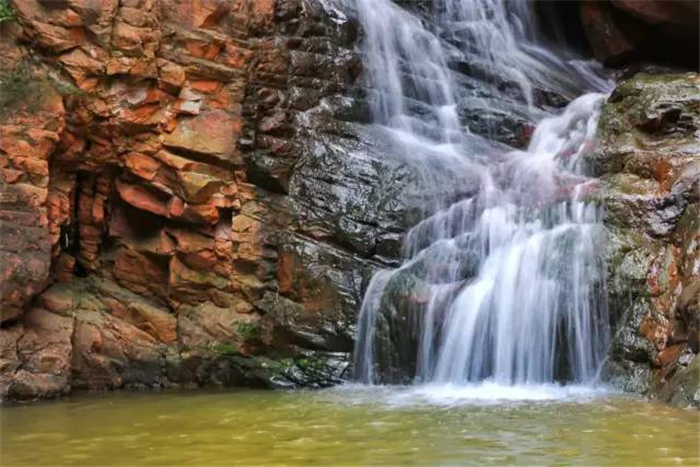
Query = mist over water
x=511 y=288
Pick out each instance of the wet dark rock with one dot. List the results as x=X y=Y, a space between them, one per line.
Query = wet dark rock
x=346 y=191
x=623 y=32
x=688 y=309
x=507 y=123
x=402 y=313
x=396 y=341
x=315 y=371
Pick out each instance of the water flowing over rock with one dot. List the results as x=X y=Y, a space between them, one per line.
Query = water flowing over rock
x=505 y=283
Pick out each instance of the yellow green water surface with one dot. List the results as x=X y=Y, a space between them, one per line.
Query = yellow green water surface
x=486 y=425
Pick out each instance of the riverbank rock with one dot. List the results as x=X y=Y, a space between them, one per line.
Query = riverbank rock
x=648 y=160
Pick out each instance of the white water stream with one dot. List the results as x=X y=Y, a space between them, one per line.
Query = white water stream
x=531 y=310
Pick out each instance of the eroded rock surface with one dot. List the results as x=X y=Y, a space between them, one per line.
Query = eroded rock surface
x=201 y=198
x=181 y=208
x=648 y=158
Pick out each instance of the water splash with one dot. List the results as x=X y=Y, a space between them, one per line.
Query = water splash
x=504 y=284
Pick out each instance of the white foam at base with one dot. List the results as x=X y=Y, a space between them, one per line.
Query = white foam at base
x=492 y=393
x=484 y=393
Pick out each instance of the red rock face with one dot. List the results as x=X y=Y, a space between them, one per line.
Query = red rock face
x=27 y=211
x=128 y=190
x=622 y=31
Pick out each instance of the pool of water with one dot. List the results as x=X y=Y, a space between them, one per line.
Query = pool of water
x=423 y=425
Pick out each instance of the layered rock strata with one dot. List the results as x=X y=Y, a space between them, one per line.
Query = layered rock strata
x=173 y=212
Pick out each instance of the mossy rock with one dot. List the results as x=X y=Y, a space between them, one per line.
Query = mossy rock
x=7 y=13
x=249 y=331
x=643 y=111
x=646 y=159
x=24 y=88
x=311 y=371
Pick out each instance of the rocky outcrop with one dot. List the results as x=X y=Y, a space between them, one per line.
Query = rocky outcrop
x=190 y=195
x=648 y=158
x=189 y=203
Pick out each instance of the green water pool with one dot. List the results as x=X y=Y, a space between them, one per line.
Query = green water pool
x=485 y=425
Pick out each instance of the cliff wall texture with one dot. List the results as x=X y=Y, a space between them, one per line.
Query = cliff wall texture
x=173 y=211
x=190 y=195
x=648 y=158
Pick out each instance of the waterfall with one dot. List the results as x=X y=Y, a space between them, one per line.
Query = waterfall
x=501 y=36
x=504 y=284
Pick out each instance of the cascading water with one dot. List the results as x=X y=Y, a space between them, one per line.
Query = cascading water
x=504 y=284
x=501 y=37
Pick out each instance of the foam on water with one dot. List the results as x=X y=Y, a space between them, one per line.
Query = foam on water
x=449 y=395
x=489 y=392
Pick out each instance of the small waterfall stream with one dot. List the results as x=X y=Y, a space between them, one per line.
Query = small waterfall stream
x=504 y=284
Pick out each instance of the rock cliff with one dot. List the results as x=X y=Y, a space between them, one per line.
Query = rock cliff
x=191 y=195
x=182 y=202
